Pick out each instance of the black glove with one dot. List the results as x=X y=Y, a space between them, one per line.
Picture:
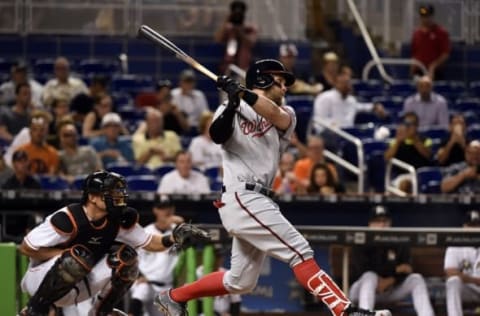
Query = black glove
x=230 y=86
x=187 y=235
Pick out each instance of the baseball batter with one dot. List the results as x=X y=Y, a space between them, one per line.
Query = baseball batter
x=462 y=268
x=254 y=132
x=88 y=248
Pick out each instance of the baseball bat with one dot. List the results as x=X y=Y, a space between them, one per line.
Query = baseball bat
x=150 y=34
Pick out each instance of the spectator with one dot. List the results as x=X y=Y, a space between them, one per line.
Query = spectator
x=183 y=180
x=430 y=107
x=188 y=99
x=60 y=113
x=110 y=147
x=63 y=86
x=205 y=153
x=13 y=119
x=75 y=160
x=21 y=179
x=174 y=119
x=239 y=38
x=303 y=167
x=329 y=71
x=430 y=44
x=337 y=107
x=285 y=180
x=92 y=125
x=384 y=274
x=452 y=148
x=152 y=145
x=225 y=305
x=288 y=57
x=19 y=75
x=410 y=147
x=153 y=279
x=322 y=181
x=461 y=270
x=83 y=103
x=5 y=171
x=42 y=158
x=464 y=177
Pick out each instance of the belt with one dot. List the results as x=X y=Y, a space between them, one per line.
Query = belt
x=256 y=187
x=161 y=284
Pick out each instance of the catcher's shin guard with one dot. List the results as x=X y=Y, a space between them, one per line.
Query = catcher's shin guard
x=70 y=268
x=322 y=286
x=124 y=263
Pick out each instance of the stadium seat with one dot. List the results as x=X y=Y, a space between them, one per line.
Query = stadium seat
x=77 y=183
x=5 y=66
x=146 y=99
x=216 y=186
x=402 y=88
x=371 y=145
x=162 y=170
x=376 y=170
x=44 y=67
x=467 y=104
x=98 y=67
x=434 y=132
x=362 y=132
x=121 y=99
x=300 y=101
x=53 y=183
x=132 y=83
x=127 y=169
x=131 y=113
x=429 y=179
x=475 y=88
x=473 y=132
x=212 y=173
x=142 y=183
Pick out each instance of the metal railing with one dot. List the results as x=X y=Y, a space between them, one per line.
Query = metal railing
x=358 y=170
x=389 y=188
x=391 y=61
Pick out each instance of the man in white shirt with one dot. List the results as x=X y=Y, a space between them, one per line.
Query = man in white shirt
x=184 y=180
x=188 y=99
x=19 y=74
x=337 y=107
x=462 y=269
x=63 y=86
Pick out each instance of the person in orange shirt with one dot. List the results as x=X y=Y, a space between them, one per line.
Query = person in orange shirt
x=42 y=158
x=303 y=167
x=284 y=181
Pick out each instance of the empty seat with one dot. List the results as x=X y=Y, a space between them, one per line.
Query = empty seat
x=77 y=183
x=434 y=132
x=469 y=104
x=126 y=169
x=132 y=83
x=142 y=183
x=212 y=173
x=162 y=170
x=53 y=183
x=216 y=186
x=5 y=66
x=429 y=179
x=402 y=88
x=44 y=66
x=99 y=67
x=473 y=132
x=300 y=101
x=376 y=170
x=361 y=132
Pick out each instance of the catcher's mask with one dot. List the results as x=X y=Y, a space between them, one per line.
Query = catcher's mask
x=111 y=186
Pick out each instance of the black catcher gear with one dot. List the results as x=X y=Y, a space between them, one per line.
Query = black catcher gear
x=186 y=235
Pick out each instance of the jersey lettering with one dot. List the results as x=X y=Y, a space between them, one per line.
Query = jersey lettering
x=256 y=127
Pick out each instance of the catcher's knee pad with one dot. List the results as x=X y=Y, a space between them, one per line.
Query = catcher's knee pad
x=124 y=263
x=70 y=268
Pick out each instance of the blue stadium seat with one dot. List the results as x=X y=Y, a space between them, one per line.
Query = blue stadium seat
x=142 y=183
x=127 y=169
x=5 y=66
x=95 y=66
x=434 y=132
x=429 y=179
x=475 y=88
x=300 y=101
x=185 y=141
x=162 y=170
x=216 y=186
x=132 y=83
x=376 y=170
x=467 y=104
x=212 y=173
x=44 y=67
x=371 y=145
x=402 y=88
x=53 y=183
x=362 y=132
x=122 y=99
x=131 y=112
x=473 y=132
x=77 y=183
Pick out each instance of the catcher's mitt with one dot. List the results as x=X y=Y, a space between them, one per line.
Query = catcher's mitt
x=187 y=235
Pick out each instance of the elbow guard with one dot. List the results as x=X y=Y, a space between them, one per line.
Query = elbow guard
x=222 y=127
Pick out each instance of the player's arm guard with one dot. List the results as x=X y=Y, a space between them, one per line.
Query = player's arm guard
x=222 y=127
x=187 y=235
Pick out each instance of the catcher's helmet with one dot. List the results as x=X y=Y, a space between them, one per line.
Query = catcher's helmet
x=110 y=185
x=260 y=74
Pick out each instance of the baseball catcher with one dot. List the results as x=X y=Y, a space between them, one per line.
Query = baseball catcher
x=88 y=249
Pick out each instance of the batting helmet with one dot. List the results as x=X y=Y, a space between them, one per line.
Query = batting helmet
x=260 y=74
x=110 y=185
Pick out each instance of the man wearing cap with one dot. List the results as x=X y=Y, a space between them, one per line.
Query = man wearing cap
x=384 y=273
x=110 y=146
x=188 y=99
x=464 y=177
x=21 y=179
x=156 y=268
x=462 y=270
x=430 y=43
x=330 y=67
x=288 y=57
x=19 y=74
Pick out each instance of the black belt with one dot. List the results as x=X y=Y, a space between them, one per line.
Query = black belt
x=161 y=284
x=257 y=188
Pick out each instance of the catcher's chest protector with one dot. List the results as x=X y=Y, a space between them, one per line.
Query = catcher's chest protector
x=98 y=239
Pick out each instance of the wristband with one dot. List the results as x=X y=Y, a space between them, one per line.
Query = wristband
x=166 y=241
x=250 y=97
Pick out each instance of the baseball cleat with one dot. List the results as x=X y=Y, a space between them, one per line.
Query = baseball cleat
x=169 y=307
x=356 y=311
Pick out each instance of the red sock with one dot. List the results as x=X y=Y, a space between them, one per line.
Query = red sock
x=312 y=278
x=209 y=285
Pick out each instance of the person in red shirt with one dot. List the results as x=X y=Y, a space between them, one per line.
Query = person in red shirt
x=430 y=44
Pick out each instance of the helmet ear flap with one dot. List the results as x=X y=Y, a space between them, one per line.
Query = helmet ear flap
x=264 y=80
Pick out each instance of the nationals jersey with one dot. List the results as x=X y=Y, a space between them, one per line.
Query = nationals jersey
x=253 y=151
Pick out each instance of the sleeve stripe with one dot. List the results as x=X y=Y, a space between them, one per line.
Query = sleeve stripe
x=29 y=243
x=146 y=242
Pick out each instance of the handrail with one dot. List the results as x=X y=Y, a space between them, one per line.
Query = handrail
x=403 y=165
x=368 y=41
x=357 y=170
x=392 y=61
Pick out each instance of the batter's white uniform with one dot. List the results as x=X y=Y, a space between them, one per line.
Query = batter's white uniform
x=157 y=267
x=251 y=155
x=466 y=260
x=45 y=235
